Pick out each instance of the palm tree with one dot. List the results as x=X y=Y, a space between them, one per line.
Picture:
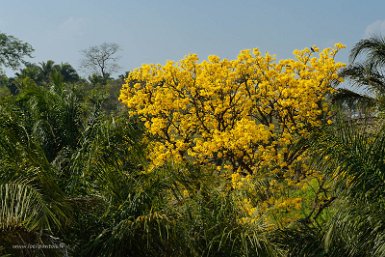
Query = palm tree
x=69 y=74
x=32 y=72
x=47 y=68
x=366 y=72
x=357 y=155
x=352 y=157
x=33 y=209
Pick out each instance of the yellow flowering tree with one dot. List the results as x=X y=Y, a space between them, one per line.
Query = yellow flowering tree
x=244 y=116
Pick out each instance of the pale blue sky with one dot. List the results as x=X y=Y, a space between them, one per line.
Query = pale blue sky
x=153 y=31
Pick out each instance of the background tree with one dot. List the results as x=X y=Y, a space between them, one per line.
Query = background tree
x=366 y=73
x=13 y=51
x=68 y=72
x=101 y=59
x=49 y=72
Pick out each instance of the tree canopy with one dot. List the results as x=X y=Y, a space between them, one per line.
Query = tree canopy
x=244 y=113
x=13 y=51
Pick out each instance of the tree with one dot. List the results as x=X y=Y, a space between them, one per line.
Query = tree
x=47 y=68
x=33 y=206
x=68 y=72
x=352 y=155
x=47 y=72
x=13 y=51
x=365 y=73
x=249 y=117
x=64 y=72
x=32 y=71
x=101 y=59
x=231 y=113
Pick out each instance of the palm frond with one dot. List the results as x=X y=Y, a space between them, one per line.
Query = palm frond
x=356 y=229
x=373 y=47
x=365 y=76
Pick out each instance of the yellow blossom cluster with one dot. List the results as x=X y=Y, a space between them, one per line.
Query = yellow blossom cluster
x=274 y=201
x=244 y=114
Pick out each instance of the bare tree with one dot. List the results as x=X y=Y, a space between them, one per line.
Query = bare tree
x=101 y=59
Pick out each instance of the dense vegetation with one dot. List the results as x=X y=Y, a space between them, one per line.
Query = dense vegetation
x=244 y=157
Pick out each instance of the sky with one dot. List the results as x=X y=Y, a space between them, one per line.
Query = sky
x=154 y=31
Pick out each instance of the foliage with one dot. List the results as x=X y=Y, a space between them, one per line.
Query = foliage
x=33 y=207
x=355 y=156
x=13 y=51
x=49 y=73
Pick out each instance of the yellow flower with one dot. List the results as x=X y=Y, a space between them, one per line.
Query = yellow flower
x=339 y=46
